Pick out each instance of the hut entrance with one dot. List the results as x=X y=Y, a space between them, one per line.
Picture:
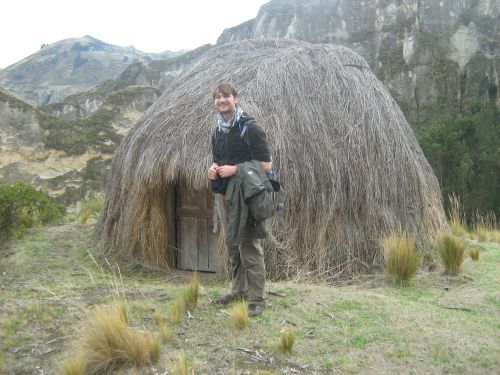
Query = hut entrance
x=196 y=242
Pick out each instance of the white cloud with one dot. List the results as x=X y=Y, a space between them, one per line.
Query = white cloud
x=148 y=25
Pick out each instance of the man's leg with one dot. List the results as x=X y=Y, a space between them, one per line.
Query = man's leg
x=240 y=285
x=252 y=259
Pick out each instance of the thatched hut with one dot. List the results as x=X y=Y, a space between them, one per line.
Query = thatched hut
x=349 y=160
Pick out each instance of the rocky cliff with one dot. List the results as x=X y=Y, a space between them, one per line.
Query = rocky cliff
x=67 y=157
x=67 y=67
x=433 y=55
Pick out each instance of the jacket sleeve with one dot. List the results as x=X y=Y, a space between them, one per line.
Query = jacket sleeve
x=258 y=144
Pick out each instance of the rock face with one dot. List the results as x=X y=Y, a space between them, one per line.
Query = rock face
x=433 y=55
x=67 y=67
x=67 y=157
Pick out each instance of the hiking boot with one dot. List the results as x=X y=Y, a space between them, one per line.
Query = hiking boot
x=255 y=309
x=227 y=299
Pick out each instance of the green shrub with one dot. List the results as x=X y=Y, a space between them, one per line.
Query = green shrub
x=22 y=206
x=401 y=261
x=451 y=250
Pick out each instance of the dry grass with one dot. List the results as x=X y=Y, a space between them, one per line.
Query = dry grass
x=165 y=333
x=401 y=261
x=328 y=110
x=474 y=254
x=192 y=291
x=458 y=224
x=158 y=317
x=75 y=365
x=177 y=310
x=287 y=340
x=109 y=343
x=451 y=251
x=239 y=315
x=2 y=364
x=182 y=366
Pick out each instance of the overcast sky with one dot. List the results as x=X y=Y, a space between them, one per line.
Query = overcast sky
x=148 y=25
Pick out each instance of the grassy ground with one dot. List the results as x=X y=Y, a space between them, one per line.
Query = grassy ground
x=49 y=283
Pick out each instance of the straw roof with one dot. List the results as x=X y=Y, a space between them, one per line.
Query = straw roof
x=343 y=149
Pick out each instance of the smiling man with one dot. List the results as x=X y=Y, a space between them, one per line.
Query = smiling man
x=238 y=139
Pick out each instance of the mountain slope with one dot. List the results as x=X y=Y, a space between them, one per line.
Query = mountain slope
x=67 y=67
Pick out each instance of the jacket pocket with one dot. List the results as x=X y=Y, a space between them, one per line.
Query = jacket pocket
x=261 y=206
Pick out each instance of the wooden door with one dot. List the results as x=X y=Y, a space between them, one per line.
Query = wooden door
x=196 y=241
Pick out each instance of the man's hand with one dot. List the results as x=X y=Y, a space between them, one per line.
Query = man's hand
x=226 y=170
x=212 y=171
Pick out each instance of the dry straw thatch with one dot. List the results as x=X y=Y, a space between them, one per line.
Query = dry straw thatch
x=348 y=158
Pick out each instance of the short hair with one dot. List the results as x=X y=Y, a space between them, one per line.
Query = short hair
x=225 y=88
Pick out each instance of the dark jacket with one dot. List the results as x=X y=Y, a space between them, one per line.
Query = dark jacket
x=232 y=148
x=249 y=201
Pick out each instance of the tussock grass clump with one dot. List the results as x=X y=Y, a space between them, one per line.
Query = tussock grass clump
x=451 y=251
x=239 y=315
x=91 y=207
x=165 y=333
x=109 y=343
x=177 y=310
x=287 y=340
x=158 y=317
x=75 y=365
x=192 y=291
x=182 y=366
x=160 y=321
x=2 y=365
x=401 y=261
x=457 y=219
x=474 y=254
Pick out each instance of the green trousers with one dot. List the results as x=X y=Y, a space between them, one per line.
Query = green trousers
x=247 y=261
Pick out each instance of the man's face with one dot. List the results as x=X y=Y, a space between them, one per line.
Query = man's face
x=225 y=103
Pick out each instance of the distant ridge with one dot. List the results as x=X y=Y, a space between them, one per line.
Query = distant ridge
x=70 y=66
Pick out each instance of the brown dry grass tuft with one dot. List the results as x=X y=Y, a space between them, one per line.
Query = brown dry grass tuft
x=451 y=251
x=75 y=365
x=474 y=254
x=158 y=317
x=192 y=291
x=182 y=366
x=109 y=343
x=401 y=261
x=287 y=340
x=177 y=310
x=165 y=333
x=239 y=315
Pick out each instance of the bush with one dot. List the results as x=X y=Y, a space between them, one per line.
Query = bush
x=451 y=250
x=22 y=206
x=401 y=261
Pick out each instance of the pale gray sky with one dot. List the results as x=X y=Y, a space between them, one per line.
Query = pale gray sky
x=148 y=25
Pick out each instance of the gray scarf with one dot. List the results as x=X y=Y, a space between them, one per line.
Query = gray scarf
x=226 y=126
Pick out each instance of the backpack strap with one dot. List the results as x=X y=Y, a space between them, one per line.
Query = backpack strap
x=243 y=130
